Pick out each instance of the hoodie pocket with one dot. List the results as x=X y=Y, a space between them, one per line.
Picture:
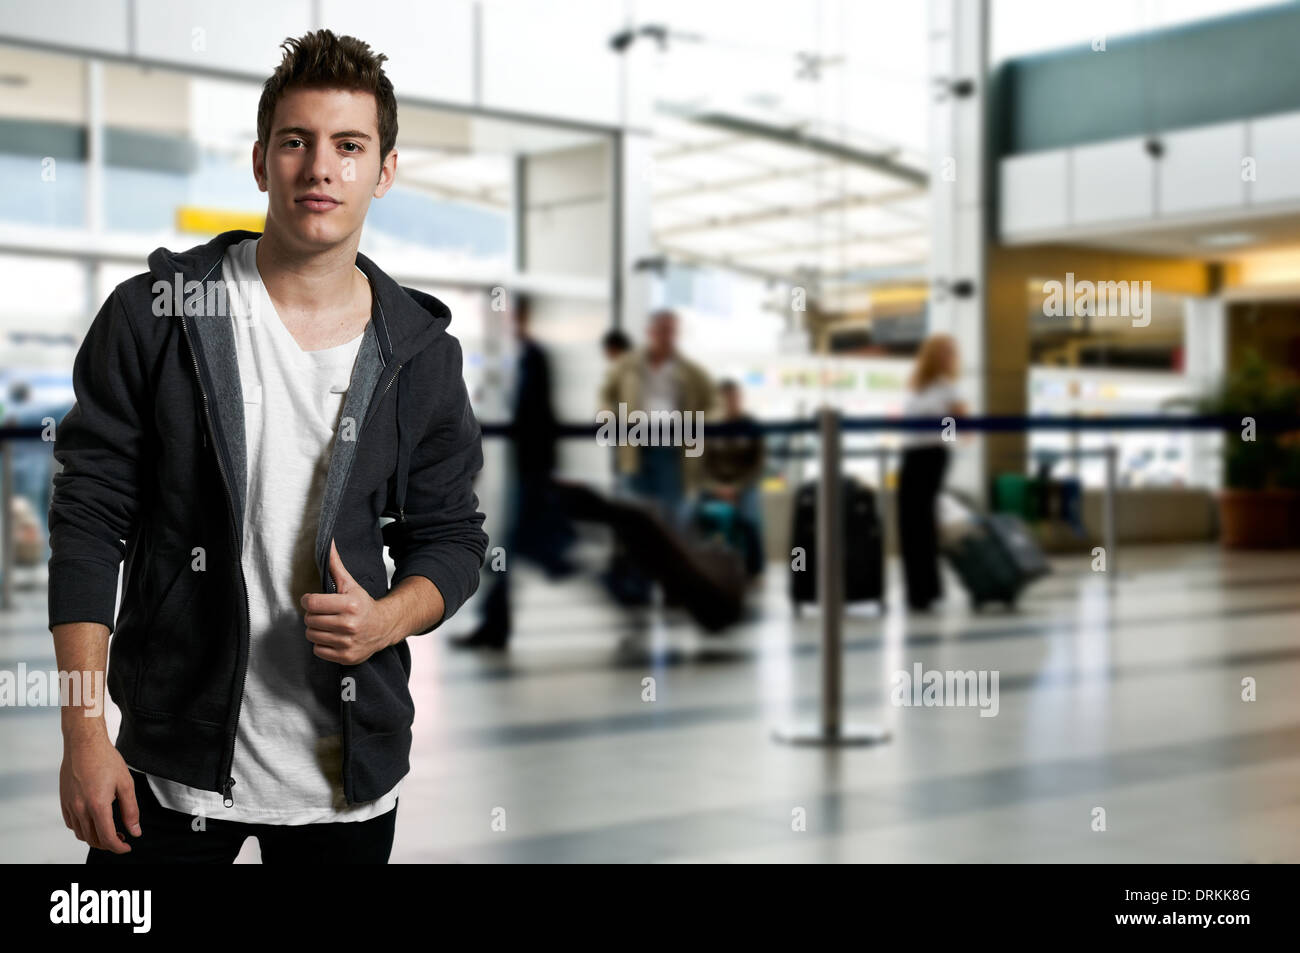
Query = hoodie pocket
x=163 y=644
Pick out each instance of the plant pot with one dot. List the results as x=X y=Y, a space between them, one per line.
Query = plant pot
x=1259 y=519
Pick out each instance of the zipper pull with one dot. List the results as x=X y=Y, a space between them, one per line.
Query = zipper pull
x=227 y=798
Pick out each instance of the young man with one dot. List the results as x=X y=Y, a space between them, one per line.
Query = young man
x=255 y=419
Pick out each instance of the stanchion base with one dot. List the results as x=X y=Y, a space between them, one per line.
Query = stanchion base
x=847 y=736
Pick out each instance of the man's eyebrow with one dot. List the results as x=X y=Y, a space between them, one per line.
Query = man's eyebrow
x=303 y=131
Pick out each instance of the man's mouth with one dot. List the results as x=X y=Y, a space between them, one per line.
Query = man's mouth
x=317 y=202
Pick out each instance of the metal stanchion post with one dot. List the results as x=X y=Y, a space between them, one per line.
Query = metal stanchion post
x=6 y=521
x=830 y=594
x=1109 y=534
x=886 y=510
x=830 y=575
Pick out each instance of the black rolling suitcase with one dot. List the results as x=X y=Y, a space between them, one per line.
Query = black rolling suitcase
x=864 y=565
x=996 y=558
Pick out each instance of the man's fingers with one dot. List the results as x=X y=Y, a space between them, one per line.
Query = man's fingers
x=329 y=640
x=343 y=625
x=329 y=603
x=74 y=822
x=345 y=657
x=127 y=806
x=85 y=829
x=105 y=830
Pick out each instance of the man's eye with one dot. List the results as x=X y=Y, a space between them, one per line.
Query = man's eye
x=290 y=142
x=355 y=147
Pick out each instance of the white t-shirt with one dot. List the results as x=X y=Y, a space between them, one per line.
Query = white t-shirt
x=660 y=391
x=288 y=746
x=935 y=401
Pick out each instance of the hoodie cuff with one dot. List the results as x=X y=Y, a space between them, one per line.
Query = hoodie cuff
x=450 y=579
x=82 y=590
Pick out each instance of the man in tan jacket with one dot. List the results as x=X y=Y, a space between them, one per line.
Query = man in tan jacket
x=659 y=378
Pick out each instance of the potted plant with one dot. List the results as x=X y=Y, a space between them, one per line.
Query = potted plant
x=1259 y=505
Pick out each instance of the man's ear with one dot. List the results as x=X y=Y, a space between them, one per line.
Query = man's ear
x=387 y=173
x=259 y=166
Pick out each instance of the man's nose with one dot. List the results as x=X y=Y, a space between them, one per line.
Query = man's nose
x=321 y=169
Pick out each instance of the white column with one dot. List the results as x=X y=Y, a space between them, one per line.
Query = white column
x=637 y=179
x=1205 y=361
x=94 y=190
x=957 y=31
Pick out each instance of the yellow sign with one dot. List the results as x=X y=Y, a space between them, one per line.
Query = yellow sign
x=210 y=221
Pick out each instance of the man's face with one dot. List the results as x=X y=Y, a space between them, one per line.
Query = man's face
x=663 y=334
x=321 y=165
x=519 y=323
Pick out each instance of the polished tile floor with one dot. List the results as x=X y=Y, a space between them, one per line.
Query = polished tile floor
x=1121 y=694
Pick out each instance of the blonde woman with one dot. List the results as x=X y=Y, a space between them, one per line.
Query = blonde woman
x=933 y=395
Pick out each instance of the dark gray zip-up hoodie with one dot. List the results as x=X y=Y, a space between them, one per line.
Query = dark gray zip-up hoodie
x=154 y=471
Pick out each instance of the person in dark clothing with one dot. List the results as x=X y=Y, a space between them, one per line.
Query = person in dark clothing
x=733 y=466
x=616 y=577
x=925 y=461
x=615 y=344
x=535 y=529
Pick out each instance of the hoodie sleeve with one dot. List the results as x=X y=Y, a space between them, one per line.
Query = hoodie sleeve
x=101 y=444
x=441 y=537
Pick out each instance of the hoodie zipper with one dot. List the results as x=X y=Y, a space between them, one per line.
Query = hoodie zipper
x=329 y=579
x=229 y=782
x=370 y=413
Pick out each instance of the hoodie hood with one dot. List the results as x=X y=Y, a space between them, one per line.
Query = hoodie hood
x=405 y=321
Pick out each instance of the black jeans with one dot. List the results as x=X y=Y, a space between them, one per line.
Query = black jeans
x=168 y=837
x=919 y=483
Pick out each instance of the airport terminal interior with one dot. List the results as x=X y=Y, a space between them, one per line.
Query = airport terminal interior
x=1102 y=225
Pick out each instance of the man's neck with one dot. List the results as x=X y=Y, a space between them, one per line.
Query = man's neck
x=308 y=283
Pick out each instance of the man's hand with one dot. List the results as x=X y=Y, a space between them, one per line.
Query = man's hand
x=92 y=776
x=347 y=626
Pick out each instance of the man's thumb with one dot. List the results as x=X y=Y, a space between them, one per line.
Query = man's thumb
x=342 y=578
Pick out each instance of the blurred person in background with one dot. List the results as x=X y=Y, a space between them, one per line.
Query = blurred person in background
x=933 y=395
x=656 y=377
x=535 y=529
x=615 y=344
x=733 y=467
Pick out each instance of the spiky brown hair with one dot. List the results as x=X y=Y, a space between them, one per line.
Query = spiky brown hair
x=322 y=60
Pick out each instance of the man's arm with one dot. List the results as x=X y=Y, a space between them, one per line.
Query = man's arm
x=100 y=443
x=93 y=773
x=442 y=537
x=414 y=605
x=608 y=397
